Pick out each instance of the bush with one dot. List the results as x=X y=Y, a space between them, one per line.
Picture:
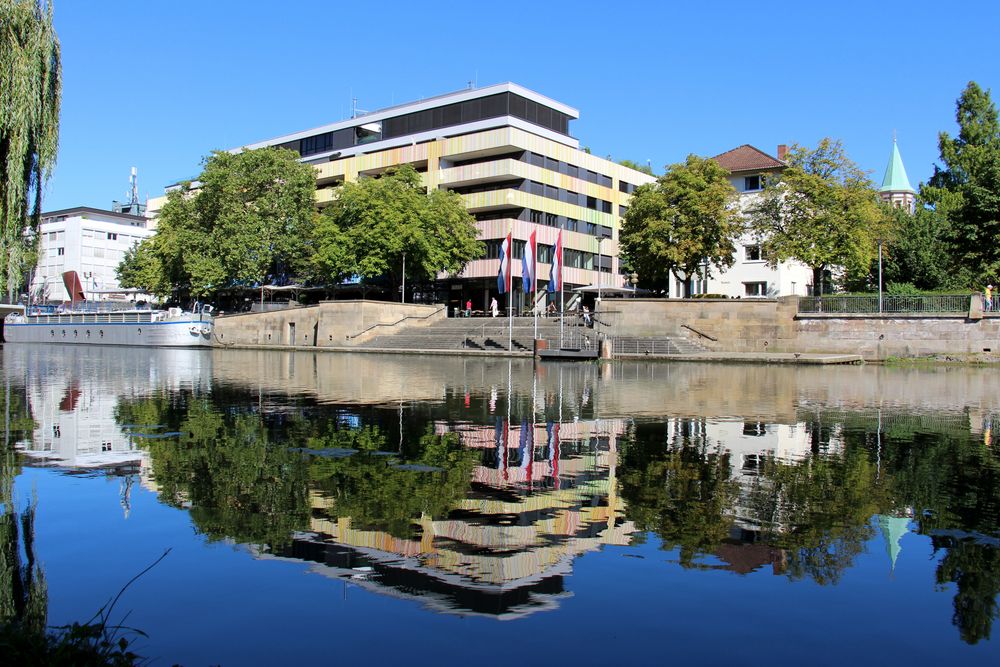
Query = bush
x=902 y=289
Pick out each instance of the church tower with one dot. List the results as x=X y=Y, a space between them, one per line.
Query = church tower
x=896 y=189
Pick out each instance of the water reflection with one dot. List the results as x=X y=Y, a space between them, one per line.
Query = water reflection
x=472 y=485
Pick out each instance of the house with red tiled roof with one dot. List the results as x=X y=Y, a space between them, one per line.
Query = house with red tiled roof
x=751 y=275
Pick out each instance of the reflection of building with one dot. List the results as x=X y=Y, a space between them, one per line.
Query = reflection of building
x=73 y=392
x=542 y=496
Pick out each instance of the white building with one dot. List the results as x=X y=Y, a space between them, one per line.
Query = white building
x=91 y=242
x=750 y=275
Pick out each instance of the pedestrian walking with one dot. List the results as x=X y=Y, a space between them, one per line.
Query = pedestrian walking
x=988 y=298
x=493 y=307
x=468 y=308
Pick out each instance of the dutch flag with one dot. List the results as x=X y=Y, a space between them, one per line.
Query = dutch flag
x=503 y=275
x=528 y=265
x=555 y=275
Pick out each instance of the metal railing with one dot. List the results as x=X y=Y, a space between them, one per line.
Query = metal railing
x=937 y=303
x=399 y=321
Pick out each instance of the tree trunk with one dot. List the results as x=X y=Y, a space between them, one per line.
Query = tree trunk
x=818 y=280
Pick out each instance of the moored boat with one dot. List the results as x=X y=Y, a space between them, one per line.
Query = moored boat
x=101 y=323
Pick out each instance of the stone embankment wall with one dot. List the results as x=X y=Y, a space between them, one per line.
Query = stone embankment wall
x=328 y=324
x=762 y=325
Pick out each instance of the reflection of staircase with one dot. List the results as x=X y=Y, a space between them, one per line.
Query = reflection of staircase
x=652 y=345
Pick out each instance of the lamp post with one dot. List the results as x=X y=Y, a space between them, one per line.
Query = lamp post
x=880 y=276
x=634 y=279
x=600 y=240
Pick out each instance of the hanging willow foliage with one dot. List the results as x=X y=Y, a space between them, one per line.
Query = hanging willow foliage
x=30 y=85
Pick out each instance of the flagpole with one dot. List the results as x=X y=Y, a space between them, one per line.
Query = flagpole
x=510 y=287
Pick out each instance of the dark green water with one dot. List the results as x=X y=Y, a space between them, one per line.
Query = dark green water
x=332 y=508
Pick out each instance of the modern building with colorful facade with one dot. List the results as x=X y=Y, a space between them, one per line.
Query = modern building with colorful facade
x=509 y=153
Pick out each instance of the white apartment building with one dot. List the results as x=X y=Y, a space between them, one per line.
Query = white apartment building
x=91 y=242
x=750 y=276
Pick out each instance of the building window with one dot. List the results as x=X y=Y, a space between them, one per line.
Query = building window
x=755 y=253
x=751 y=183
x=60 y=251
x=112 y=236
x=755 y=429
x=536 y=217
x=755 y=289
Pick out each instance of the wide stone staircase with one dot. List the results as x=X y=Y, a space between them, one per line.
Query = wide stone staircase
x=487 y=334
x=654 y=345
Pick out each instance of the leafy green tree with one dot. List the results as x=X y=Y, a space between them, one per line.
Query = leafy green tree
x=30 y=92
x=631 y=164
x=914 y=252
x=966 y=190
x=248 y=218
x=821 y=210
x=679 y=223
x=375 y=226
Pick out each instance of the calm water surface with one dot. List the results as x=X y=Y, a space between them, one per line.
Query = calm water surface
x=332 y=508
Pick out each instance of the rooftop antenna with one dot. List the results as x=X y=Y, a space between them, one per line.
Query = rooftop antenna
x=354 y=108
x=469 y=82
x=133 y=195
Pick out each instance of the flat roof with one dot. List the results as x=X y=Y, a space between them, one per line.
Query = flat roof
x=420 y=105
x=89 y=209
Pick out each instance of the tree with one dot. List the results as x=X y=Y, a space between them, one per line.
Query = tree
x=821 y=210
x=30 y=90
x=966 y=191
x=683 y=221
x=632 y=164
x=248 y=219
x=375 y=226
x=914 y=253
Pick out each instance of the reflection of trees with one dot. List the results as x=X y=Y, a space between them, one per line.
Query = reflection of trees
x=975 y=569
x=376 y=494
x=680 y=490
x=23 y=592
x=237 y=478
x=247 y=476
x=818 y=509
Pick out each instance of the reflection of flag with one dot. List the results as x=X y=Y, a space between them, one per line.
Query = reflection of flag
x=553 y=429
x=501 y=442
x=527 y=445
x=528 y=265
x=555 y=274
x=503 y=275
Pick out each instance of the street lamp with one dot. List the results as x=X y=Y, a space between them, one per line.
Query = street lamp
x=600 y=240
x=634 y=279
x=880 y=276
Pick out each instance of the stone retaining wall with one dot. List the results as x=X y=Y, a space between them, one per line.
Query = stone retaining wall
x=328 y=324
x=762 y=325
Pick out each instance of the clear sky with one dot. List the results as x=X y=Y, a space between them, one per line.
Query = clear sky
x=158 y=84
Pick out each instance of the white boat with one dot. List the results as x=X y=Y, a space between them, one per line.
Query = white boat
x=93 y=324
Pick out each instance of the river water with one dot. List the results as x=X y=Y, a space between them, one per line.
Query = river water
x=445 y=510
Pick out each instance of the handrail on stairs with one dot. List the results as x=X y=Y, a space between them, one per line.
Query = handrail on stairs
x=700 y=333
x=399 y=321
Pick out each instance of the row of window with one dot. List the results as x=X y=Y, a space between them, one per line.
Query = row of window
x=574 y=259
x=459 y=113
x=551 y=164
x=547 y=219
x=541 y=190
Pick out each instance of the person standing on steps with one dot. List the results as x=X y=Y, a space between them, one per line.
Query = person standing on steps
x=468 y=308
x=493 y=307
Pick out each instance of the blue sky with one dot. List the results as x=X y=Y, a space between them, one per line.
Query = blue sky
x=158 y=84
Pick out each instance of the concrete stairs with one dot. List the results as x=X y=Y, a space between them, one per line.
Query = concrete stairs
x=655 y=345
x=487 y=334
x=480 y=333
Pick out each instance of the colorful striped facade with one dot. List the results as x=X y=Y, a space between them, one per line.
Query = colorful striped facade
x=508 y=152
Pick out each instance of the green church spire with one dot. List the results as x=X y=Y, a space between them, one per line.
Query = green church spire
x=895 y=179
